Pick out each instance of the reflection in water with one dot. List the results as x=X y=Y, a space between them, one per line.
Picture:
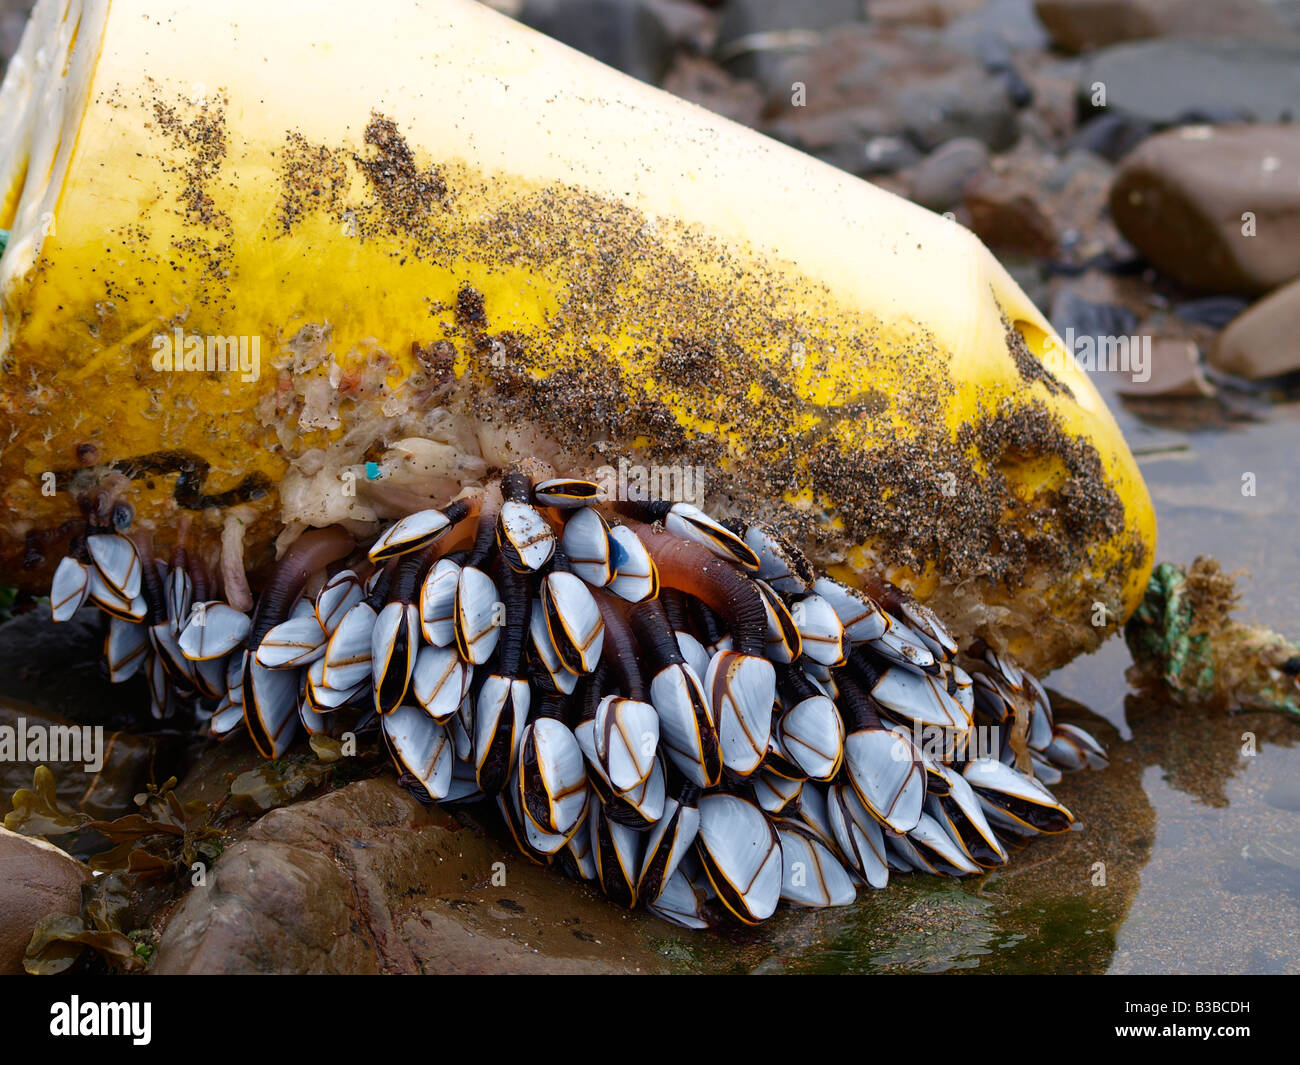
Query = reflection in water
x=1211 y=885
x=1221 y=892
x=1052 y=909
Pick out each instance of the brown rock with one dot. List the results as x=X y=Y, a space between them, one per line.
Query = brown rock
x=1082 y=25
x=367 y=880
x=1174 y=370
x=907 y=78
x=36 y=879
x=1007 y=212
x=705 y=83
x=1216 y=208
x=1036 y=204
x=1264 y=340
x=935 y=13
x=940 y=178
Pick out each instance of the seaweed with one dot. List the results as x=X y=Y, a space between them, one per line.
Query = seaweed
x=1187 y=646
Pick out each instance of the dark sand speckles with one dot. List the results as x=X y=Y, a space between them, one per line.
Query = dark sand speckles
x=312 y=177
x=406 y=193
x=1031 y=368
x=924 y=499
x=198 y=131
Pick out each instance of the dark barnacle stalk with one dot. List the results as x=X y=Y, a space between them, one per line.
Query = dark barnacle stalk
x=740 y=683
x=501 y=705
x=270 y=697
x=686 y=724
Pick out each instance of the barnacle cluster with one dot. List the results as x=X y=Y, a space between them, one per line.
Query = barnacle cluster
x=675 y=707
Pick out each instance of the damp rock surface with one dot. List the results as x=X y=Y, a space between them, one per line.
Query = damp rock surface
x=1168 y=81
x=367 y=880
x=1215 y=208
x=1082 y=25
x=36 y=879
x=1260 y=342
x=124 y=761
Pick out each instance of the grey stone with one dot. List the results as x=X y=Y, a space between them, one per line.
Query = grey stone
x=1079 y=163
x=1111 y=135
x=754 y=35
x=939 y=182
x=837 y=137
x=1213 y=311
x=887 y=154
x=996 y=30
x=1168 y=82
x=1089 y=319
x=627 y=34
x=966 y=103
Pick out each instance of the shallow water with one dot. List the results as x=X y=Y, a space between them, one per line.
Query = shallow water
x=1219 y=889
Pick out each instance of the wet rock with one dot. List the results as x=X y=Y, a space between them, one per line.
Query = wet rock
x=1053 y=82
x=1110 y=135
x=995 y=30
x=705 y=83
x=1082 y=25
x=940 y=180
x=689 y=25
x=58 y=667
x=1078 y=317
x=1034 y=203
x=934 y=13
x=125 y=763
x=1212 y=311
x=1217 y=209
x=367 y=880
x=1080 y=167
x=887 y=154
x=969 y=103
x=1168 y=82
x=1006 y=212
x=1171 y=367
x=836 y=137
x=36 y=879
x=629 y=35
x=1262 y=341
x=754 y=36
x=1019 y=91
x=902 y=83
